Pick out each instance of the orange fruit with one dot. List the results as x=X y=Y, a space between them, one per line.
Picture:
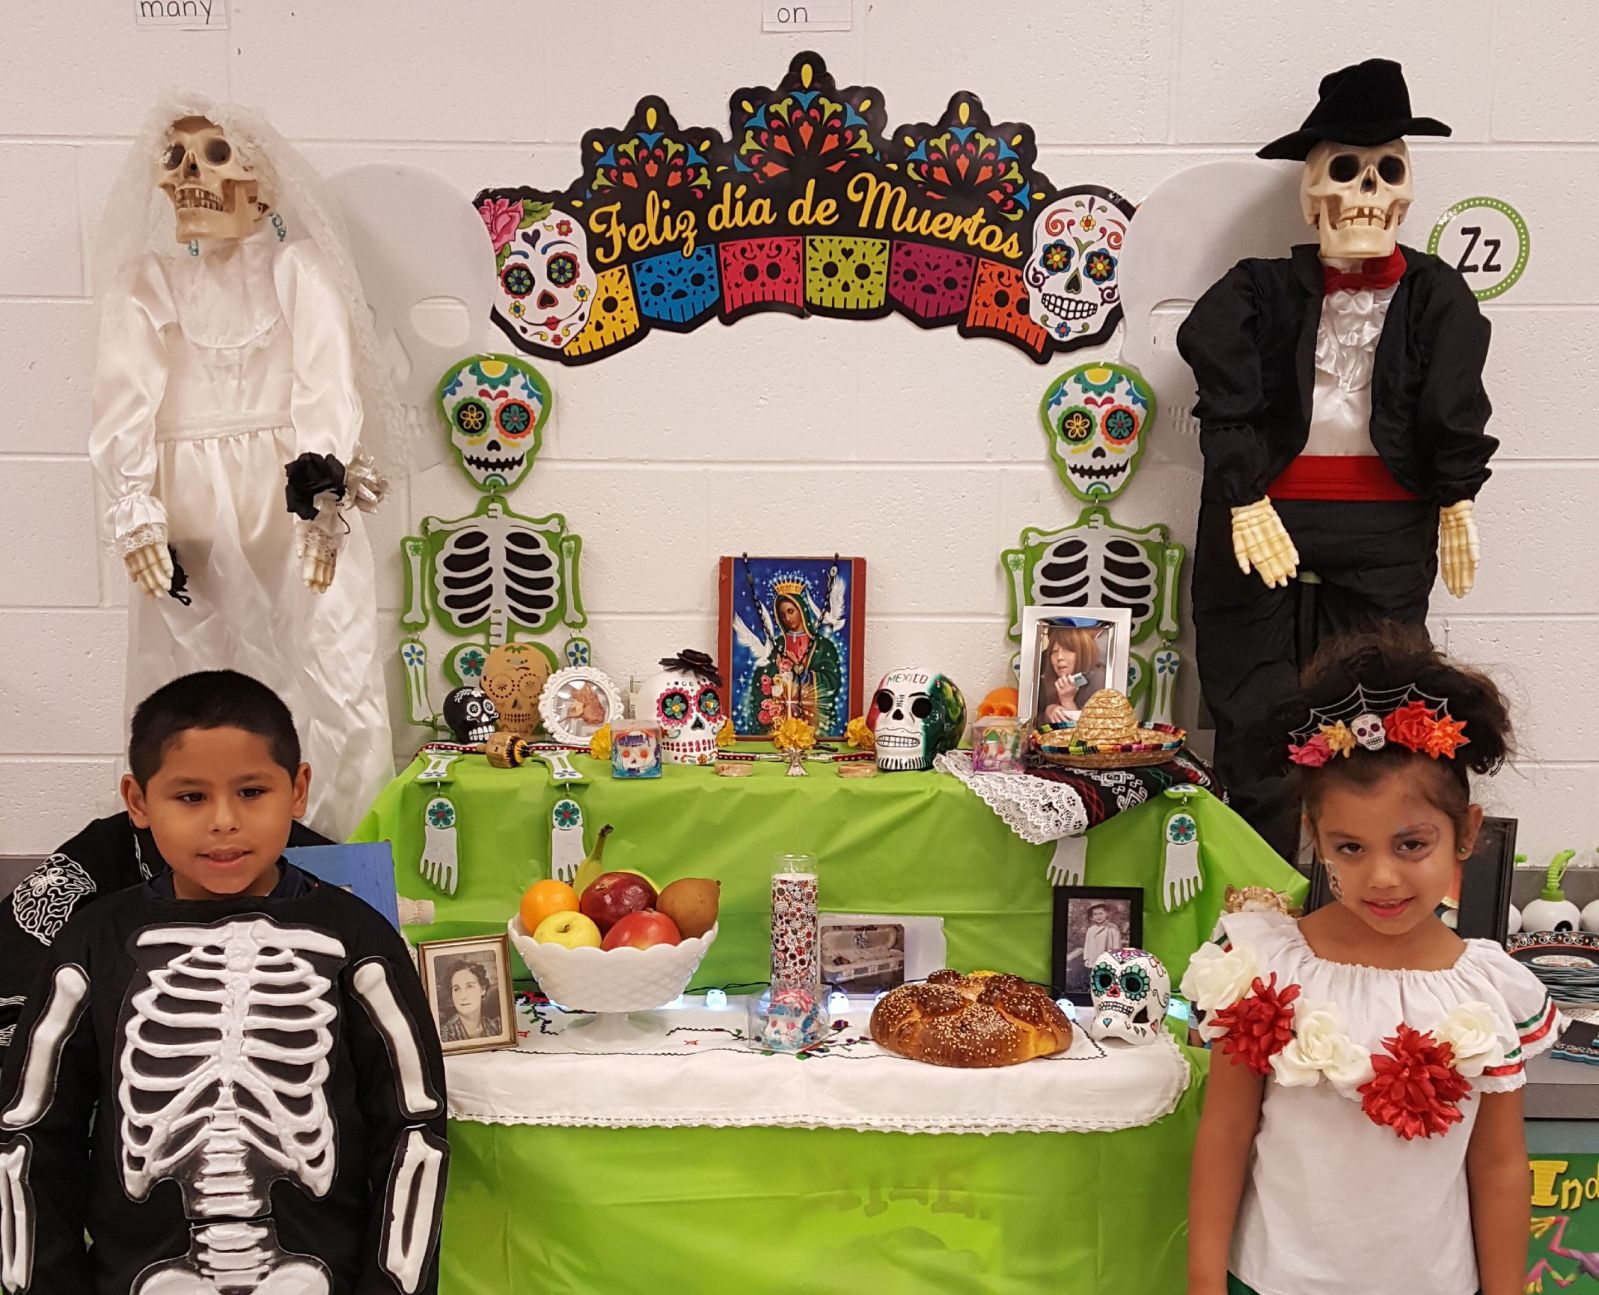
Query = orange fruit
x=544 y=898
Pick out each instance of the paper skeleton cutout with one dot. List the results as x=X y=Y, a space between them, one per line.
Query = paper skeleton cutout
x=439 y=866
x=1097 y=563
x=1131 y=992
x=1095 y=417
x=45 y=898
x=916 y=715
x=1181 y=879
x=566 y=839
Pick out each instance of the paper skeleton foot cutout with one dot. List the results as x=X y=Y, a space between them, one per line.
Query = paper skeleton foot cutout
x=561 y=767
x=437 y=769
x=1069 y=863
x=1180 y=880
x=1131 y=992
x=566 y=839
x=439 y=866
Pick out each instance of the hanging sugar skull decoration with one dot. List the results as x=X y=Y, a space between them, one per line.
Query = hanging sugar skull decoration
x=471 y=715
x=685 y=697
x=547 y=287
x=1131 y=991
x=1072 y=278
x=213 y=189
x=495 y=408
x=1095 y=417
x=916 y=715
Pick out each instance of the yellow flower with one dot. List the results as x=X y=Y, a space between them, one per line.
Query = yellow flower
x=793 y=734
x=724 y=736
x=600 y=743
x=859 y=735
x=1339 y=738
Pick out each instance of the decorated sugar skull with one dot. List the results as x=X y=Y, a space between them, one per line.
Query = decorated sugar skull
x=1072 y=276
x=495 y=408
x=1356 y=197
x=1095 y=417
x=635 y=751
x=916 y=715
x=471 y=715
x=686 y=700
x=213 y=189
x=1369 y=732
x=1131 y=992
x=513 y=677
x=795 y=1020
x=547 y=288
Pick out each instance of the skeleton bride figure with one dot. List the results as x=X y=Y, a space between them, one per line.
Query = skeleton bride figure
x=235 y=342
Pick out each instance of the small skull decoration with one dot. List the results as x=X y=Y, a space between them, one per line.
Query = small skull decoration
x=547 y=287
x=213 y=190
x=1369 y=732
x=686 y=698
x=471 y=715
x=1131 y=992
x=916 y=715
x=514 y=677
x=1072 y=278
x=1355 y=197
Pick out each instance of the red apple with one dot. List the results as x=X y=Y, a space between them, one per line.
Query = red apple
x=613 y=895
x=642 y=930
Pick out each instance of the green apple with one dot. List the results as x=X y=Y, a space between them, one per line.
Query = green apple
x=571 y=929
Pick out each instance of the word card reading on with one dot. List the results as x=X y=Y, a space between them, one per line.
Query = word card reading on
x=810 y=15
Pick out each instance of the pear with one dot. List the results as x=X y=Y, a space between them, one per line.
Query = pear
x=691 y=903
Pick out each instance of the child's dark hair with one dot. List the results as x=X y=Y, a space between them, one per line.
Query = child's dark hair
x=210 y=699
x=1392 y=658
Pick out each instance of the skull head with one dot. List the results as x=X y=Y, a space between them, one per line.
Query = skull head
x=1095 y=417
x=513 y=677
x=635 y=752
x=494 y=407
x=547 y=287
x=1072 y=281
x=1356 y=197
x=1369 y=732
x=916 y=714
x=471 y=715
x=212 y=189
x=1131 y=993
x=689 y=709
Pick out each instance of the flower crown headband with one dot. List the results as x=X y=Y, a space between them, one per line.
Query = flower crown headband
x=1369 y=719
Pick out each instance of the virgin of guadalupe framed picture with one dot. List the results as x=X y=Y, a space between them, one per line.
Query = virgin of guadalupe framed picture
x=1068 y=656
x=792 y=633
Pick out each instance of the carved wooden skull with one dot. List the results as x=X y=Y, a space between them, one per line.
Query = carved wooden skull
x=213 y=190
x=1356 y=197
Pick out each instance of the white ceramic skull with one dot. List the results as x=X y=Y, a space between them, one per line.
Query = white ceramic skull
x=211 y=187
x=546 y=283
x=1072 y=276
x=689 y=709
x=1356 y=197
x=916 y=715
x=1369 y=732
x=1131 y=992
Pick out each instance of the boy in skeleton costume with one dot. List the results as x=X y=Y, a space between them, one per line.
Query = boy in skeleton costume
x=235 y=343
x=1342 y=420
x=227 y=1075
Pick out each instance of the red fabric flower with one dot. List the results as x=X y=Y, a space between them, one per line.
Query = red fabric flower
x=1259 y=1025
x=1410 y=724
x=1314 y=753
x=1416 y=1087
x=1445 y=737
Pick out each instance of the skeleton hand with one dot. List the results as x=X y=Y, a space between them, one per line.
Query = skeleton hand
x=318 y=543
x=1458 y=549
x=150 y=567
x=317 y=571
x=1261 y=542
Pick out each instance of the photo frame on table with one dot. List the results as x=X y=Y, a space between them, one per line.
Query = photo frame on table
x=1067 y=655
x=366 y=870
x=1482 y=900
x=868 y=953
x=1089 y=921
x=467 y=983
x=577 y=702
x=792 y=639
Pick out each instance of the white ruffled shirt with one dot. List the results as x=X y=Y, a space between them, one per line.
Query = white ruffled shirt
x=1336 y=1202
x=1346 y=345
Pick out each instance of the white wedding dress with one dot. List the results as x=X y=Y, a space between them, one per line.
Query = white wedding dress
x=218 y=365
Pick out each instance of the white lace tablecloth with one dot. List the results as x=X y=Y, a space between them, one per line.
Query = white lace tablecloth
x=1037 y=810
x=694 y=1066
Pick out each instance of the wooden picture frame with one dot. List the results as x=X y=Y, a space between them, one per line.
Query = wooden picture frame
x=1071 y=927
x=487 y=961
x=829 y=597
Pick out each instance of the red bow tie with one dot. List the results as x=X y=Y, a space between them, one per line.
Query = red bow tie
x=1377 y=272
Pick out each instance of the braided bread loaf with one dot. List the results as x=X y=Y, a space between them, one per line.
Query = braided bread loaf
x=970 y=1021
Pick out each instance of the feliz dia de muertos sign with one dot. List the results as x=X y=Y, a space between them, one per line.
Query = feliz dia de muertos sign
x=810 y=206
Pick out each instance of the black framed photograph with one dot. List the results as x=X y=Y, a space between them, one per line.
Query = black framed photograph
x=1481 y=901
x=468 y=987
x=1089 y=921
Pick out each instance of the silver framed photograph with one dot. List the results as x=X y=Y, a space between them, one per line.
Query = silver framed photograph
x=467 y=984
x=1069 y=654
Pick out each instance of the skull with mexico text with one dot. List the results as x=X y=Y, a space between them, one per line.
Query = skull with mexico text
x=917 y=714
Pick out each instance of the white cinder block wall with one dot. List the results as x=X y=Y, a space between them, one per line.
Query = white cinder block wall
x=918 y=450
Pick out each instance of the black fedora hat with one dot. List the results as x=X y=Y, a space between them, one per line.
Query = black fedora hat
x=1365 y=103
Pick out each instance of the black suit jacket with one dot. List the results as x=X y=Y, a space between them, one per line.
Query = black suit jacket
x=1251 y=342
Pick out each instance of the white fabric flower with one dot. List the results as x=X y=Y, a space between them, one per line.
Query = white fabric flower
x=1321 y=1046
x=1471 y=1032
x=1218 y=978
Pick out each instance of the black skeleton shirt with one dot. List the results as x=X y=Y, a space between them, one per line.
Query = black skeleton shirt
x=243 y=1094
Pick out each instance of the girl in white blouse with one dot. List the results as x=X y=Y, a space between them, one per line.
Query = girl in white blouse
x=1362 y=1129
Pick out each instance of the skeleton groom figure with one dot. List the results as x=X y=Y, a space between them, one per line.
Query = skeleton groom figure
x=1342 y=419
x=235 y=343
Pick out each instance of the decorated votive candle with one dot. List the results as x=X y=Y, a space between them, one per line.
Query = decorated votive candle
x=636 y=749
x=794 y=923
x=998 y=746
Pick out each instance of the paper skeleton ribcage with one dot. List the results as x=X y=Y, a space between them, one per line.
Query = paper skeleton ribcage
x=221 y=1088
x=497 y=571
x=1107 y=570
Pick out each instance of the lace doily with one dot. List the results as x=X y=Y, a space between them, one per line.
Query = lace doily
x=1037 y=810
